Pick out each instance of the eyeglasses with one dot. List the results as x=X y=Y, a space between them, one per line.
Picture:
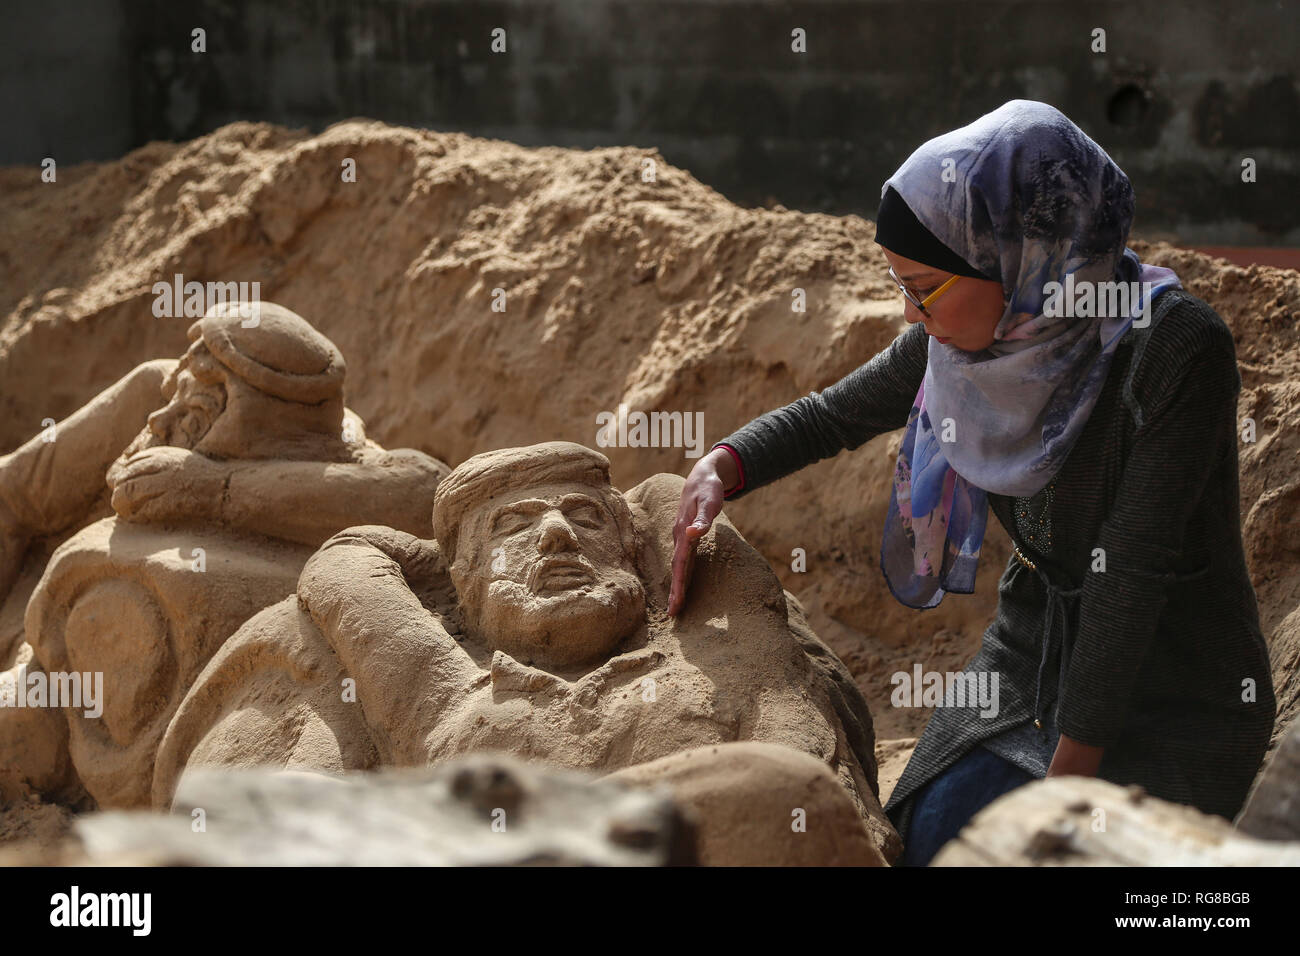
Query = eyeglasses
x=921 y=303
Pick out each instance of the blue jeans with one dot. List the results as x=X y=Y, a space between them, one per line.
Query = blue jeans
x=944 y=805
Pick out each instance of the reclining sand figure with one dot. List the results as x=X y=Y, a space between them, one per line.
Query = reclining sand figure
x=239 y=407
x=545 y=636
x=250 y=464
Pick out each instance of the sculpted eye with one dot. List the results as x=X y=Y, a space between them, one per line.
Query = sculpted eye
x=510 y=522
x=587 y=515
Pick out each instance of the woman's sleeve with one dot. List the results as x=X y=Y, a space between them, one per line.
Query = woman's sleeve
x=1189 y=426
x=871 y=400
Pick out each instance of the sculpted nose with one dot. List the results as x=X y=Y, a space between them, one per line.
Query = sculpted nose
x=556 y=534
x=160 y=421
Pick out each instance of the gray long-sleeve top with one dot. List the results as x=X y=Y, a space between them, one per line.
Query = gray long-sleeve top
x=1166 y=667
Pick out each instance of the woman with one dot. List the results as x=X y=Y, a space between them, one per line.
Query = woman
x=1126 y=641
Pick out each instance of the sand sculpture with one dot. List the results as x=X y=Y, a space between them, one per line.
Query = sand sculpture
x=533 y=624
x=477 y=810
x=663 y=295
x=488 y=809
x=1087 y=821
x=699 y=325
x=218 y=500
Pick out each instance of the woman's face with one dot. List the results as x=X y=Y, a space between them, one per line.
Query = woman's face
x=964 y=316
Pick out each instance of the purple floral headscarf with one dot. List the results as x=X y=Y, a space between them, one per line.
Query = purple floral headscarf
x=1024 y=194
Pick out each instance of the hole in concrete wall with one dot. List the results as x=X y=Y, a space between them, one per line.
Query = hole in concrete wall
x=1128 y=106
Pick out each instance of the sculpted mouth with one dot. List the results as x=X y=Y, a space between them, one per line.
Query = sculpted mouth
x=560 y=574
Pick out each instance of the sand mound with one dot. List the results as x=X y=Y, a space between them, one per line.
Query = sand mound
x=658 y=294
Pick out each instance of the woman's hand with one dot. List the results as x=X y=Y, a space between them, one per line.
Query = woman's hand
x=701 y=501
x=1075 y=759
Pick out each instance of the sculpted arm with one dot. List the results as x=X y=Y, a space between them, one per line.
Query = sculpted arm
x=394 y=489
x=407 y=667
x=300 y=501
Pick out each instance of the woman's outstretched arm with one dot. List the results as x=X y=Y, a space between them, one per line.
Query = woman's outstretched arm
x=871 y=400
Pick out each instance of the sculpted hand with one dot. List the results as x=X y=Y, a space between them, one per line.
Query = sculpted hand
x=701 y=501
x=419 y=559
x=167 y=483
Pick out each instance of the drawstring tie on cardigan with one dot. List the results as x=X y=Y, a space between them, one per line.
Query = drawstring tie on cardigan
x=1055 y=598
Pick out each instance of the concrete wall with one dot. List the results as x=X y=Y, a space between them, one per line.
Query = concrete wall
x=1184 y=92
x=65 y=88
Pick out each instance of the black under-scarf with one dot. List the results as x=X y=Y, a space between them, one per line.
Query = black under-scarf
x=899 y=231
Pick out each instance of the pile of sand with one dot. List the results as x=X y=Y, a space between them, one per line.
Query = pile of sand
x=659 y=294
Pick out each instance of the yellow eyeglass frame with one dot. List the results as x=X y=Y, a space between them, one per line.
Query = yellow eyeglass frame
x=921 y=303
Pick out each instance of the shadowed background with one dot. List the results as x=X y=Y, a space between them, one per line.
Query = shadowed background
x=1182 y=94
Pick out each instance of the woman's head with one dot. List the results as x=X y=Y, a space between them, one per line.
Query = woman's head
x=1017 y=199
x=1009 y=205
x=964 y=316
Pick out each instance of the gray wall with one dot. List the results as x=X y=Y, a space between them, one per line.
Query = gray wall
x=65 y=81
x=1185 y=91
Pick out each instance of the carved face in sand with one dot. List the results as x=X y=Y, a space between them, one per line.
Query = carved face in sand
x=545 y=572
x=270 y=390
x=198 y=395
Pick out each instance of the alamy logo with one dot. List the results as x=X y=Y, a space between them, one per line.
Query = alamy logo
x=181 y=299
x=946 y=689
x=75 y=908
x=1087 y=300
x=651 y=430
x=55 y=689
